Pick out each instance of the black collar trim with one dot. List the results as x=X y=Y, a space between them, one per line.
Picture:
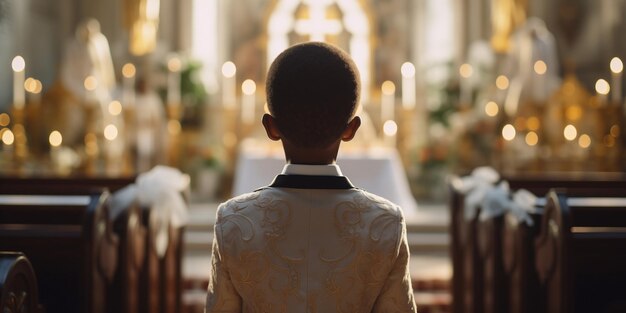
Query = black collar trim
x=311 y=182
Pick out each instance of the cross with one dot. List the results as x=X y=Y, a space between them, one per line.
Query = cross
x=317 y=26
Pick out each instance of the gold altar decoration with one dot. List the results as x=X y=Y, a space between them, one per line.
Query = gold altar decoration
x=141 y=18
x=506 y=16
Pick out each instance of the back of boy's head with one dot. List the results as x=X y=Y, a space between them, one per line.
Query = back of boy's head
x=312 y=92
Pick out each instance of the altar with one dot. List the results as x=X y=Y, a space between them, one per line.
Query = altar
x=378 y=170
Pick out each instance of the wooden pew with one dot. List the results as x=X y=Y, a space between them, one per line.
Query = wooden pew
x=69 y=241
x=580 y=251
x=18 y=284
x=478 y=271
x=144 y=282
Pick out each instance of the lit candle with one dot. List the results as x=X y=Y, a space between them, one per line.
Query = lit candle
x=408 y=85
x=603 y=89
x=90 y=84
x=55 y=140
x=390 y=129
x=19 y=97
x=616 y=69
x=33 y=87
x=128 y=84
x=229 y=85
x=387 y=104
x=248 y=89
x=173 y=81
x=466 y=72
x=7 y=139
x=539 y=83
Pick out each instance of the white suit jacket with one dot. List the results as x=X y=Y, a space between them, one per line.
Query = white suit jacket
x=310 y=242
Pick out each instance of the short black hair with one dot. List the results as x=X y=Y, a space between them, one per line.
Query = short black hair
x=312 y=92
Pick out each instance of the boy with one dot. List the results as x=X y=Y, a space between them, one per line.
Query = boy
x=310 y=241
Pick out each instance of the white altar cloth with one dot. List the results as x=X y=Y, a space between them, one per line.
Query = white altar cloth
x=377 y=170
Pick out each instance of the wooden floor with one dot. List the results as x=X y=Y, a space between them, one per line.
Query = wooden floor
x=427 y=233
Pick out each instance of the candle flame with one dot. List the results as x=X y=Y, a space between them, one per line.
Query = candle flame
x=388 y=88
x=174 y=64
x=91 y=83
x=584 y=141
x=18 y=64
x=616 y=65
x=129 y=70
x=532 y=139
x=466 y=70
x=5 y=119
x=390 y=128
x=602 y=87
x=502 y=82
x=110 y=132
x=55 y=138
x=248 y=87
x=229 y=69
x=115 y=108
x=540 y=67
x=407 y=69
x=491 y=109
x=8 y=137
x=508 y=132
x=570 y=132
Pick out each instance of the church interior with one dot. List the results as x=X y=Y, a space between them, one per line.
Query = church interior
x=499 y=127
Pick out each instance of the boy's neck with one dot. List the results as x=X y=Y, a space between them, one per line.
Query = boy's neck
x=310 y=156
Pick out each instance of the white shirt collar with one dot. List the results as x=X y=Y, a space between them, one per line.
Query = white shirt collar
x=321 y=170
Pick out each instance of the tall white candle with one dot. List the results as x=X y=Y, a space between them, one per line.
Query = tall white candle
x=617 y=68
x=173 y=81
x=229 y=85
x=387 y=104
x=390 y=130
x=128 y=84
x=248 y=108
x=408 y=85
x=19 y=97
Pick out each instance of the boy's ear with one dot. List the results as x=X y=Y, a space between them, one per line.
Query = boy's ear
x=269 y=123
x=350 y=131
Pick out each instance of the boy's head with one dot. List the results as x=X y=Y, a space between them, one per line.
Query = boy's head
x=312 y=93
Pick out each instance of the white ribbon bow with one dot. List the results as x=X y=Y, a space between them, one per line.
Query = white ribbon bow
x=159 y=189
x=475 y=186
x=498 y=201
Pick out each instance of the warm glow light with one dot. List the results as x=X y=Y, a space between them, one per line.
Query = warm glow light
x=115 y=107
x=584 y=141
x=573 y=113
x=128 y=70
x=533 y=123
x=91 y=83
x=388 y=87
x=508 y=132
x=602 y=87
x=614 y=131
x=8 y=137
x=5 y=119
x=18 y=64
x=248 y=87
x=532 y=139
x=540 y=67
x=570 y=132
x=30 y=84
x=502 y=82
x=616 y=65
x=174 y=64
x=229 y=69
x=390 y=128
x=38 y=86
x=407 y=69
x=466 y=70
x=110 y=132
x=55 y=138
x=609 y=141
x=491 y=108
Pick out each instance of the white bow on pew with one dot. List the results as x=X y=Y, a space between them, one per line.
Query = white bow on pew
x=159 y=189
x=475 y=186
x=498 y=200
